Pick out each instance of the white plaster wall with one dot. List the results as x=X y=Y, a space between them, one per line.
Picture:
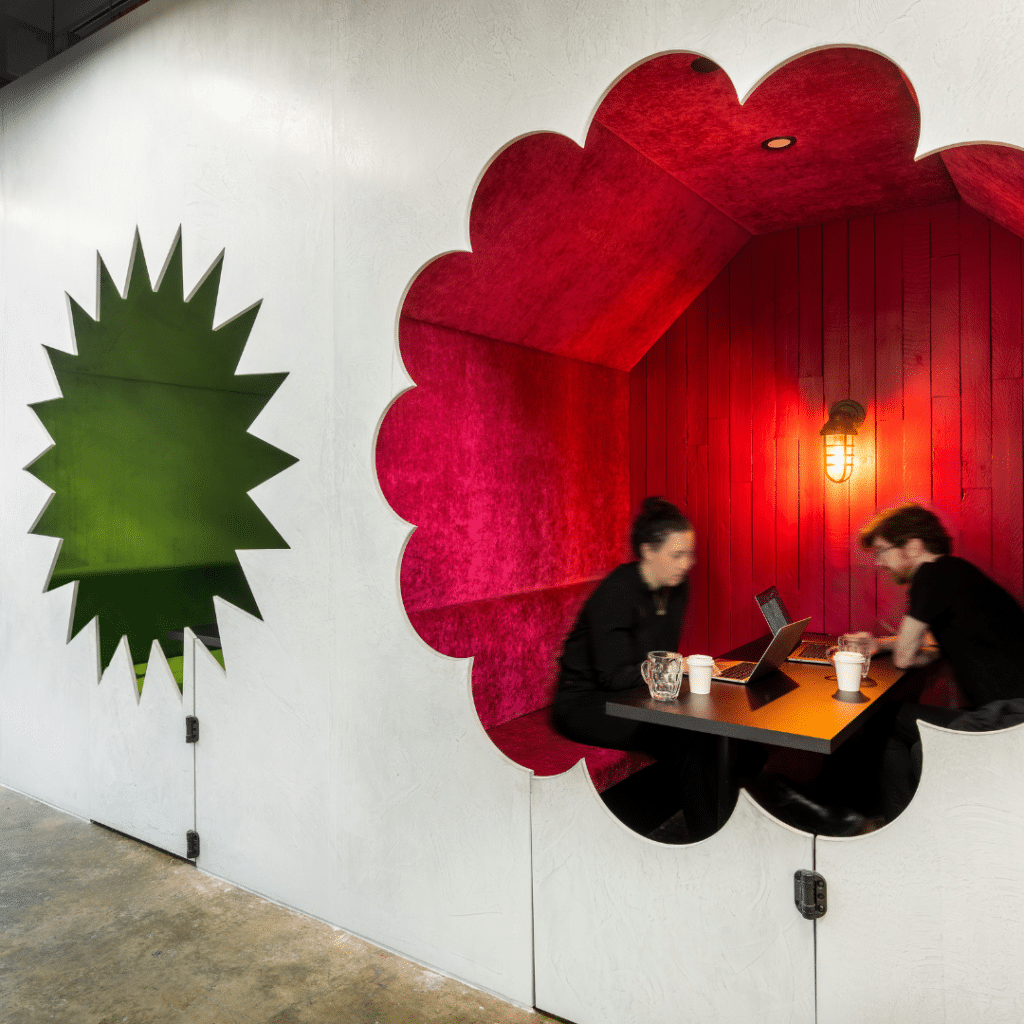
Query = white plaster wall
x=142 y=773
x=629 y=931
x=931 y=908
x=332 y=149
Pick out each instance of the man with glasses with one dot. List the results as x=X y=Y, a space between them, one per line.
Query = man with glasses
x=977 y=626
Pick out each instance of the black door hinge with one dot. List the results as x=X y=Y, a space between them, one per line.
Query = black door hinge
x=191 y=845
x=191 y=729
x=810 y=893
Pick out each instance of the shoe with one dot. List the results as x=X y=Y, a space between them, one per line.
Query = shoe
x=788 y=804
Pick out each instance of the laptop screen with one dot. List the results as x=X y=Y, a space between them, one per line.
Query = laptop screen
x=773 y=609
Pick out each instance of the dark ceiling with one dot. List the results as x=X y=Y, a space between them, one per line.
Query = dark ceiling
x=33 y=31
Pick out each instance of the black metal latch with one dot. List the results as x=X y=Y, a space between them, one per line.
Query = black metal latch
x=191 y=729
x=191 y=845
x=810 y=893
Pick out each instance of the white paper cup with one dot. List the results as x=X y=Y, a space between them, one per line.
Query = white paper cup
x=700 y=667
x=849 y=665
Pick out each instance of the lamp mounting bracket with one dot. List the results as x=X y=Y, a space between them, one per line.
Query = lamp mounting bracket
x=844 y=417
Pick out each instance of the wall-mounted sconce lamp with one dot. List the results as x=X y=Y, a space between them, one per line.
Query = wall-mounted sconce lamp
x=843 y=420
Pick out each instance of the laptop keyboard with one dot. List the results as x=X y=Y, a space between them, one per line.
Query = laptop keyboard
x=815 y=651
x=740 y=671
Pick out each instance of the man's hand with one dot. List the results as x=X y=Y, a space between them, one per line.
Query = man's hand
x=906 y=650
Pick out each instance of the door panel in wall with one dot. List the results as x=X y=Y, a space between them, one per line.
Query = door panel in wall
x=629 y=931
x=142 y=770
x=925 y=917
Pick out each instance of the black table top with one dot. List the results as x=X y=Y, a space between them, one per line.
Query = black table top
x=798 y=706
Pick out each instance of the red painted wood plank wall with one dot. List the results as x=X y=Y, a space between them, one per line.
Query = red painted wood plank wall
x=917 y=315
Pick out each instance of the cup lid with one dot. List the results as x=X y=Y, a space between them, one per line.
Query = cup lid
x=849 y=657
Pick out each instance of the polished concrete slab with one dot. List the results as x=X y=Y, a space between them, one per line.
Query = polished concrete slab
x=96 y=928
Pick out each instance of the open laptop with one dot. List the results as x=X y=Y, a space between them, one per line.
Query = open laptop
x=814 y=652
x=783 y=644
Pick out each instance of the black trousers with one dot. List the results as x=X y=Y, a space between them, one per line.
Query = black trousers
x=691 y=756
x=877 y=771
x=901 y=759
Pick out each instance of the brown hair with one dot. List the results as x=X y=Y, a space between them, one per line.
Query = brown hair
x=904 y=523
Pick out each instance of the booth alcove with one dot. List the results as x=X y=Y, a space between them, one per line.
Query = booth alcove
x=614 y=333
x=698 y=302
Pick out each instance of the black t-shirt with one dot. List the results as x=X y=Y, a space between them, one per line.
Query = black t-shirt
x=614 y=632
x=977 y=624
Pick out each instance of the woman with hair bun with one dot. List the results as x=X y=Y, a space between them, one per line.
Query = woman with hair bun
x=635 y=609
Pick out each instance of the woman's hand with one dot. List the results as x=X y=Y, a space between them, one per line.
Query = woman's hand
x=872 y=644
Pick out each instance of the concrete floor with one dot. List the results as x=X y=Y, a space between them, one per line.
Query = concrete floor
x=96 y=928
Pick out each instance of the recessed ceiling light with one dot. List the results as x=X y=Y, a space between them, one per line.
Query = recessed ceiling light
x=779 y=142
x=704 y=65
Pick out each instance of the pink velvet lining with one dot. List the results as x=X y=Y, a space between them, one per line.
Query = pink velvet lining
x=515 y=640
x=588 y=253
x=513 y=464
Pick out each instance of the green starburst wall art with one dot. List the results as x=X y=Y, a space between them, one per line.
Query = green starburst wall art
x=152 y=460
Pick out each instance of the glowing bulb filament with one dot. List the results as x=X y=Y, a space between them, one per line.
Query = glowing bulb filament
x=838 y=457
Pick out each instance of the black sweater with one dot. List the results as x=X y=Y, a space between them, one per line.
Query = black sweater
x=614 y=632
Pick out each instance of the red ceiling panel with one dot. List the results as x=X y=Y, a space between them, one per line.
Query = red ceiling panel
x=991 y=179
x=588 y=253
x=854 y=119
x=591 y=253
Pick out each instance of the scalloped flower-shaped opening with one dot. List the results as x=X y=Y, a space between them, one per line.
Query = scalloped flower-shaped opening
x=656 y=312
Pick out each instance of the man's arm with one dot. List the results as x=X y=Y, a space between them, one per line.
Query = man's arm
x=906 y=645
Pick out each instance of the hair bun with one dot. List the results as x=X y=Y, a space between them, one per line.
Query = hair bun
x=657 y=505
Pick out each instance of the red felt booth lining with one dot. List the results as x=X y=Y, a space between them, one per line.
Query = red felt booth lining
x=512 y=456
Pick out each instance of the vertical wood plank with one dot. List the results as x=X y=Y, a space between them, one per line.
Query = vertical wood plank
x=889 y=358
x=739 y=364
x=638 y=434
x=812 y=478
x=787 y=517
x=719 y=540
x=741 y=598
x=945 y=315
x=695 y=633
x=740 y=451
x=718 y=348
x=835 y=387
x=676 y=409
x=863 y=606
x=810 y=301
x=917 y=393
x=1008 y=485
x=889 y=318
x=945 y=229
x=787 y=334
x=946 y=488
x=656 y=419
x=975 y=353
x=763 y=417
x=976 y=527
x=1006 y=304
x=946 y=492
x=697 y=371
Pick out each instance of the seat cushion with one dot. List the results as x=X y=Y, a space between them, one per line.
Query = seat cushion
x=514 y=641
x=531 y=740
